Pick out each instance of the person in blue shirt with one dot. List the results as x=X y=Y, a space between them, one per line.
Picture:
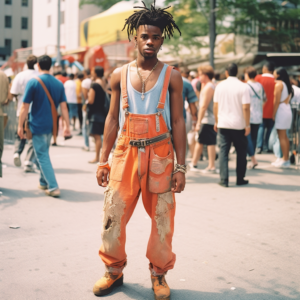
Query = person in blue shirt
x=41 y=122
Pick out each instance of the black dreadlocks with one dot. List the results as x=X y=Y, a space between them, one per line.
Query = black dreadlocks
x=154 y=16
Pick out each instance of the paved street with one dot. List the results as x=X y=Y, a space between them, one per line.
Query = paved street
x=235 y=243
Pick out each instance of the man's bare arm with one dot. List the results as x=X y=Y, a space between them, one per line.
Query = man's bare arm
x=111 y=127
x=112 y=119
x=246 y=113
x=23 y=114
x=85 y=93
x=178 y=128
x=65 y=115
x=216 y=110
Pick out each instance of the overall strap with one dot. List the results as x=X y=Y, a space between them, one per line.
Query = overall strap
x=163 y=95
x=53 y=108
x=124 y=87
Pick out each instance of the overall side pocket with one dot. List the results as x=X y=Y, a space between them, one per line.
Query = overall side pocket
x=161 y=166
x=118 y=164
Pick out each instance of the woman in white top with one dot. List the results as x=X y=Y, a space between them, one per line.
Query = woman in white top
x=206 y=121
x=282 y=113
x=257 y=95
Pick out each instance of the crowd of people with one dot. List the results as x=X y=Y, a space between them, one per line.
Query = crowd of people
x=251 y=112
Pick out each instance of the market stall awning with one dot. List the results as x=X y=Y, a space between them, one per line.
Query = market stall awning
x=107 y=26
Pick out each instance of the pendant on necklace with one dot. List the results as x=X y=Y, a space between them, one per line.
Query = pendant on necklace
x=143 y=97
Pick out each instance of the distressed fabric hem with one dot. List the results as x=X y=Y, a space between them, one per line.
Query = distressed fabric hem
x=115 y=271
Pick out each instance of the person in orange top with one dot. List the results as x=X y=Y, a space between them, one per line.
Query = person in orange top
x=267 y=80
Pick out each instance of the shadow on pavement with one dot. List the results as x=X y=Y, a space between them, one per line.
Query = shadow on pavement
x=75 y=196
x=138 y=292
x=10 y=197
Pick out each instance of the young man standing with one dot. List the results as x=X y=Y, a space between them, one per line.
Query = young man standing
x=41 y=121
x=17 y=90
x=146 y=105
x=232 y=115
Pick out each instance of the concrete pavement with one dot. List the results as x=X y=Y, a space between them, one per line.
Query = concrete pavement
x=235 y=243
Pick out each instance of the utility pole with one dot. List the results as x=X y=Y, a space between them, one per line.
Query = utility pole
x=212 y=31
x=58 y=57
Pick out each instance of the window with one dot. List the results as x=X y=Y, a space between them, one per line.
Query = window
x=7 y=43
x=24 y=2
x=49 y=21
x=7 y=2
x=24 y=44
x=62 y=17
x=24 y=24
x=8 y=21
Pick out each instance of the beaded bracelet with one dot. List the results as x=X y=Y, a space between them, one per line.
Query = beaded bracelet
x=180 y=168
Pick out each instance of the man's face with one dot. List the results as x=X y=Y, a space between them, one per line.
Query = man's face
x=149 y=40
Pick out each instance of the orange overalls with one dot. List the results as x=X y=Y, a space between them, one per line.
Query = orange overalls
x=143 y=161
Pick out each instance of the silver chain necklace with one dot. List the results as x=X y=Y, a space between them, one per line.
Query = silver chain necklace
x=141 y=78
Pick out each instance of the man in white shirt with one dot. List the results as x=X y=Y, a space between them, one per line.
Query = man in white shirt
x=86 y=85
x=70 y=90
x=17 y=91
x=232 y=114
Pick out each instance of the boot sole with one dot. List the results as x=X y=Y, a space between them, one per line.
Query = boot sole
x=159 y=298
x=117 y=283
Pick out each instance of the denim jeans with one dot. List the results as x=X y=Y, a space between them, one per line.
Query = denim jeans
x=240 y=142
x=274 y=143
x=41 y=145
x=252 y=138
x=85 y=129
x=263 y=139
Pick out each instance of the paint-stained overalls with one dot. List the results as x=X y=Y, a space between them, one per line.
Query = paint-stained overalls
x=143 y=162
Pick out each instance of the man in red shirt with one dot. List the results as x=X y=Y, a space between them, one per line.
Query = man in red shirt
x=267 y=80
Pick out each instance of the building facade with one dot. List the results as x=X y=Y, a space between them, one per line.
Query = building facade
x=16 y=27
x=45 y=19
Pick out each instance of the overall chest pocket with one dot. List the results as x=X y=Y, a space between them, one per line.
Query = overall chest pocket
x=138 y=125
x=161 y=166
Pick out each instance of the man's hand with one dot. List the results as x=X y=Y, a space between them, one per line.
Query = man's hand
x=102 y=177
x=216 y=127
x=247 y=131
x=178 y=182
x=21 y=133
x=67 y=131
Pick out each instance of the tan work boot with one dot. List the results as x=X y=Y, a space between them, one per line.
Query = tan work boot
x=55 y=193
x=160 y=287
x=107 y=283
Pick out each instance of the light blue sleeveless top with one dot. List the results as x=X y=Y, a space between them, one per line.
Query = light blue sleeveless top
x=149 y=104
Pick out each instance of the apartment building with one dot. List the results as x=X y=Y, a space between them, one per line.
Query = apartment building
x=45 y=16
x=15 y=26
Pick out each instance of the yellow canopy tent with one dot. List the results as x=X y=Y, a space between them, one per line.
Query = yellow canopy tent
x=107 y=26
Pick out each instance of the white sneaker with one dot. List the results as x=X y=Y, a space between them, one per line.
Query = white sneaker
x=276 y=162
x=29 y=169
x=192 y=168
x=209 y=171
x=284 y=164
x=17 y=160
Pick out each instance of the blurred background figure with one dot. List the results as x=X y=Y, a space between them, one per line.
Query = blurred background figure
x=70 y=90
x=232 y=114
x=80 y=99
x=17 y=91
x=85 y=85
x=257 y=96
x=189 y=108
x=96 y=110
x=267 y=80
x=206 y=121
x=41 y=120
x=58 y=75
x=4 y=92
x=282 y=114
